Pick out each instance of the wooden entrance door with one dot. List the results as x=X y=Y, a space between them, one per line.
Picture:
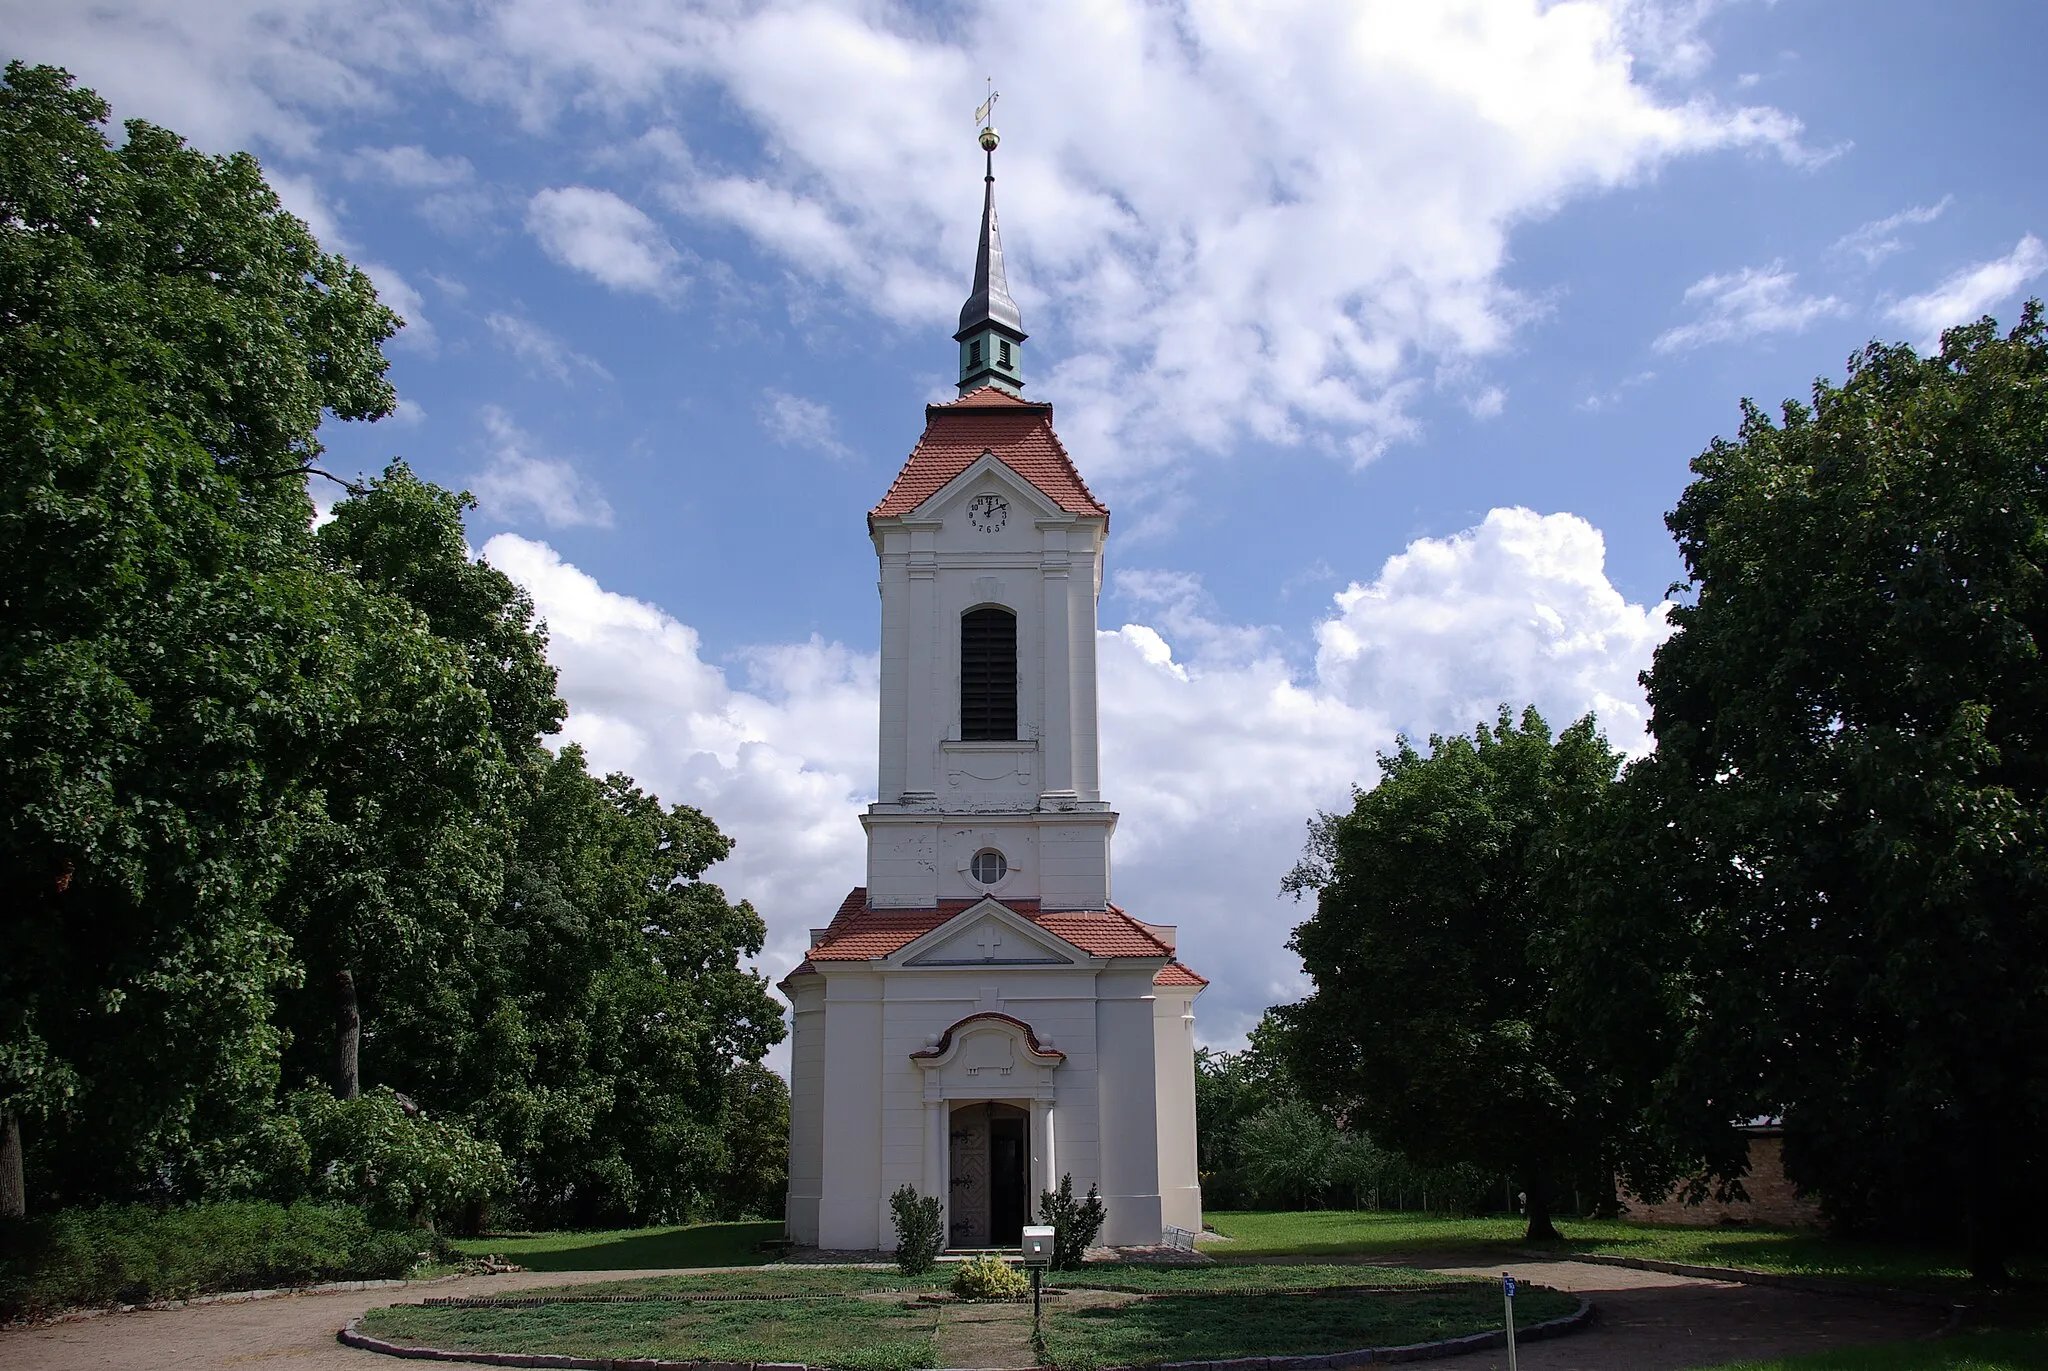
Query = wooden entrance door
x=990 y=1157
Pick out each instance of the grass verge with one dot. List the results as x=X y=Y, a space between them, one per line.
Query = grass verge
x=877 y=1334
x=631 y=1249
x=1305 y=1323
x=856 y=1325
x=1365 y=1236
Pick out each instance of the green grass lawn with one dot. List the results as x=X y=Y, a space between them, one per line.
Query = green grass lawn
x=859 y=1334
x=1368 y=1236
x=1221 y=1326
x=1212 y=1312
x=631 y=1249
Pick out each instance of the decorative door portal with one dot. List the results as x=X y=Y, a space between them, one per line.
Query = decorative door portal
x=990 y=1156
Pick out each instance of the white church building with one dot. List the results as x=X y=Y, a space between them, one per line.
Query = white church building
x=979 y=1019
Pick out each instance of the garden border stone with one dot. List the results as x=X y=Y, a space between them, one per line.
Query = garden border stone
x=351 y=1335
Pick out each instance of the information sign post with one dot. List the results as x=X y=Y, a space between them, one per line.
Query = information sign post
x=1507 y=1299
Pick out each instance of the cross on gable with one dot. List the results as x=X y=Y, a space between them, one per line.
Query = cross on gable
x=990 y=940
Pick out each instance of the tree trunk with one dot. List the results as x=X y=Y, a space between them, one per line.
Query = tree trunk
x=1541 y=1229
x=348 y=1035
x=1984 y=1196
x=13 y=1190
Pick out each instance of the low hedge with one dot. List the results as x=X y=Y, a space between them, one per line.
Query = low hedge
x=133 y=1254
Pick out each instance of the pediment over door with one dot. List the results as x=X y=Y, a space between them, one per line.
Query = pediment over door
x=988 y=1056
x=991 y=940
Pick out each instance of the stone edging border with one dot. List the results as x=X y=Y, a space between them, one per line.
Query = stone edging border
x=352 y=1335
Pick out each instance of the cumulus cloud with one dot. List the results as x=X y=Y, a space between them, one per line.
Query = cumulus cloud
x=399 y=293
x=1970 y=293
x=606 y=238
x=518 y=482
x=1869 y=244
x=1216 y=747
x=1223 y=223
x=793 y=421
x=539 y=349
x=1746 y=304
x=410 y=166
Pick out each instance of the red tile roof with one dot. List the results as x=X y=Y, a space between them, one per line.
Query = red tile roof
x=1018 y=432
x=858 y=934
x=1111 y=933
x=1173 y=973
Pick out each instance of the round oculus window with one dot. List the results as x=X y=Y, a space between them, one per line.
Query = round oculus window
x=989 y=866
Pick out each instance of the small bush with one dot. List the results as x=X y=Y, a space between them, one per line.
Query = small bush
x=404 y=1168
x=917 y=1230
x=132 y=1254
x=989 y=1278
x=1074 y=1222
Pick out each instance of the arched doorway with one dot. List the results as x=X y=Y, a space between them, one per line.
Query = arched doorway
x=990 y=1165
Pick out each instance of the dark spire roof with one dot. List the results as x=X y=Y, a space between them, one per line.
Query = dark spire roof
x=990 y=302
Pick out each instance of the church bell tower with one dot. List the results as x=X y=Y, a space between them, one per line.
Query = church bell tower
x=991 y=567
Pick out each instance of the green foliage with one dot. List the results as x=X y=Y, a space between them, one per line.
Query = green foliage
x=1431 y=1023
x=1074 y=1222
x=239 y=758
x=917 y=1219
x=1849 y=789
x=171 y=660
x=393 y=1161
x=131 y=1254
x=989 y=1278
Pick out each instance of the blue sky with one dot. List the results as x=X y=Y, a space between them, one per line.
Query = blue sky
x=1387 y=332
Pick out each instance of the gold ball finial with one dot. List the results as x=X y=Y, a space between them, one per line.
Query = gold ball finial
x=989 y=139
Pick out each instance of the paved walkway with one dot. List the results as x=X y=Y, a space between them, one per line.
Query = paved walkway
x=1646 y=1322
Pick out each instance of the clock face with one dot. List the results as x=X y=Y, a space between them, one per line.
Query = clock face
x=988 y=512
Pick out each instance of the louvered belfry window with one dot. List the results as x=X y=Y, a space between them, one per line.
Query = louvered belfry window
x=988 y=675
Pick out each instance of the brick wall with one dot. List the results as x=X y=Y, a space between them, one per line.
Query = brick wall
x=1772 y=1198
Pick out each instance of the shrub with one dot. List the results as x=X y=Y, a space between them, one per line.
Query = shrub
x=132 y=1254
x=380 y=1152
x=917 y=1230
x=989 y=1278
x=1074 y=1222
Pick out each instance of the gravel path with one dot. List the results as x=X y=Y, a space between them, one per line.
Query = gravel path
x=1646 y=1321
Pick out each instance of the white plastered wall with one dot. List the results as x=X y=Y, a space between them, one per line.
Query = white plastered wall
x=1180 y=1180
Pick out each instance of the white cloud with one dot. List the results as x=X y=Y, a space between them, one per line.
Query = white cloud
x=410 y=166
x=1871 y=243
x=516 y=481
x=793 y=421
x=601 y=235
x=1225 y=221
x=540 y=349
x=1216 y=749
x=394 y=290
x=1746 y=304
x=1970 y=293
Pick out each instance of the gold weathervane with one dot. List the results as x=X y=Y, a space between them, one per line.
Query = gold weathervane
x=983 y=116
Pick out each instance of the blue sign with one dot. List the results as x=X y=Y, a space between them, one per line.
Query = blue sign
x=1507 y=1285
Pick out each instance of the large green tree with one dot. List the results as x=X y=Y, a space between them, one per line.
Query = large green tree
x=1852 y=761
x=1440 y=906
x=172 y=656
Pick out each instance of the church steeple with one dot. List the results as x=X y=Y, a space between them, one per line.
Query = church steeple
x=991 y=335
